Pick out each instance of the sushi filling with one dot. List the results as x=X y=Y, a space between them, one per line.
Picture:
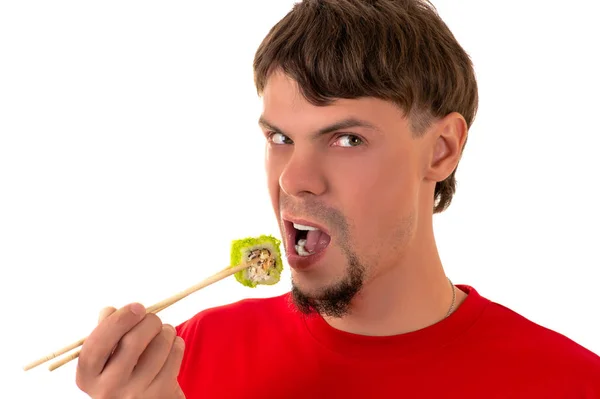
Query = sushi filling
x=309 y=240
x=260 y=262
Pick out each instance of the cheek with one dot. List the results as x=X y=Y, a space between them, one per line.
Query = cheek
x=273 y=168
x=379 y=194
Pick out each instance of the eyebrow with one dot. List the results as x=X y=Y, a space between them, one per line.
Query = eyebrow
x=343 y=124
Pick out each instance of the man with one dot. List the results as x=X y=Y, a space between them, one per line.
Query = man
x=367 y=106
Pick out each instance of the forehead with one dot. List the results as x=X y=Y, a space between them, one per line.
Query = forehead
x=285 y=106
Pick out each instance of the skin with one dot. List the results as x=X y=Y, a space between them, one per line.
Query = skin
x=371 y=187
x=381 y=180
x=144 y=364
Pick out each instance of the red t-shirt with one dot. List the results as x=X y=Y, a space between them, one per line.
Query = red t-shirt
x=265 y=349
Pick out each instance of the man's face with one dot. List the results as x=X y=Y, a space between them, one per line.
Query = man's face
x=357 y=182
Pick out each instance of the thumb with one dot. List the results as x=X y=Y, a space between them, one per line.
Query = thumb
x=104 y=313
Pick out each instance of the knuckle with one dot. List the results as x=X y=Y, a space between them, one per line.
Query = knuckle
x=125 y=317
x=168 y=335
x=162 y=341
x=179 y=345
x=131 y=342
x=152 y=327
x=153 y=321
x=81 y=381
x=168 y=331
x=136 y=340
x=82 y=375
x=105 y=313
x=178 y=349
x=169 y=390
x=131 y=395
x=88 y=353
x=108 y=394
x=93 y=386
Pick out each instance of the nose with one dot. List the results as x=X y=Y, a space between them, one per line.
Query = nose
x=303 y=175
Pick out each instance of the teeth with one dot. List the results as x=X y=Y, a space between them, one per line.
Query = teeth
x=300 y=250
x=302 y=227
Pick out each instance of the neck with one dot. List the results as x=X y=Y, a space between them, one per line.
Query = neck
x=405 y=296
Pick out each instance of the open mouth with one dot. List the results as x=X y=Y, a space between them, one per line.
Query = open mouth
x=307 y=239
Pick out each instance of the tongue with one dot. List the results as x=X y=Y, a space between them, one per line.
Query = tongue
x=316 y=241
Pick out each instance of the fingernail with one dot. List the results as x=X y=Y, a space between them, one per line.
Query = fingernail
x=179 y=341
x=137 y=309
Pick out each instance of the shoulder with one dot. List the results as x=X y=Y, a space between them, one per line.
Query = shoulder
x=532 y=346
x=528 y=332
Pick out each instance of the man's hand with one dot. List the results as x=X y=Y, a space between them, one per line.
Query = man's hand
x=130 y=354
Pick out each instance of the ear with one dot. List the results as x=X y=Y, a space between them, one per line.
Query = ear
x=448 y=138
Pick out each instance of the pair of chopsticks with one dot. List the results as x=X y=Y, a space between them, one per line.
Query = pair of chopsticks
x=157 y=307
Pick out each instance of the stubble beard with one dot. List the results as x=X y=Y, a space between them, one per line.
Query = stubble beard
x=334 y=300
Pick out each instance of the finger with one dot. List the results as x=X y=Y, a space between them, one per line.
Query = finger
x=154 y=357
x=104 y=313
x=98 y=347
x=129 y=349
x=167 y=377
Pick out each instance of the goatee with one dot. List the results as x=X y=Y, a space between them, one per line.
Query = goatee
x=334 y=300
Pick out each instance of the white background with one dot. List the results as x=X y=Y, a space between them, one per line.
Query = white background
x=130 y=157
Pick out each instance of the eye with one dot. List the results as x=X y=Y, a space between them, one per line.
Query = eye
x=278 y=138
x=348 y=140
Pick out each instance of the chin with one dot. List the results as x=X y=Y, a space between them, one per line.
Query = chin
x=312 y=286
x=329 y=298
x=316 y=278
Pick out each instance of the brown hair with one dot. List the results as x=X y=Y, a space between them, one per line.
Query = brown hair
x=395 y=50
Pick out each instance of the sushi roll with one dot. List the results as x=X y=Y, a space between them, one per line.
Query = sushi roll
x=263 y=257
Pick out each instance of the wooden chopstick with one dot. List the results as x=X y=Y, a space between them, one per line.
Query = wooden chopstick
x=157 y=307
x=54 y=354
